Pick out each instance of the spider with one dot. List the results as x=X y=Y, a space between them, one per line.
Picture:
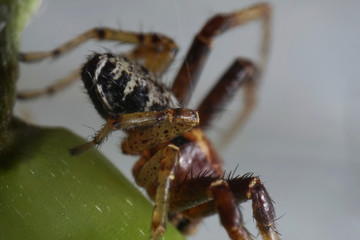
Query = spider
x=178 y=165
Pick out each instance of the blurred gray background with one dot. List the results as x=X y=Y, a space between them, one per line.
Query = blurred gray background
x=304 y=137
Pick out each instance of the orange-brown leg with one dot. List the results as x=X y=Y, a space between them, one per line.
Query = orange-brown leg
x=145 y=129
x=197 y=55
x=155 y=51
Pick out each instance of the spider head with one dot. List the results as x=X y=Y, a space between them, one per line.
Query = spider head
x=118 y=85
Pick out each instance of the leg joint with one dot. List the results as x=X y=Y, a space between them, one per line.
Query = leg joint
x=263 y=209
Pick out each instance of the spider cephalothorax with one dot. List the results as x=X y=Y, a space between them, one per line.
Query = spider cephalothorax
x=178 y=165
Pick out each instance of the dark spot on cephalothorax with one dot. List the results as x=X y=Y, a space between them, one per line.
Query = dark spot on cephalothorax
x=136 y=100
x=144 y=69
x=125 y=76
x=101 y=33
x=107 y=69
x=145 y=141
x=166 y=132
x=145 y=90
x=157 y=107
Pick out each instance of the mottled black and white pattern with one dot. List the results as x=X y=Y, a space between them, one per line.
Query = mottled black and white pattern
x=118 y=85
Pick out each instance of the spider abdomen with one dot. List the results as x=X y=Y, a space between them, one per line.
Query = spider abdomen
x=119 y=85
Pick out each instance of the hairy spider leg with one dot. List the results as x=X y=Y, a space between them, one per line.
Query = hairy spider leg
x=198 y=53
x=159 y=170
x=230 y=216
x=145 y=129
x=204 y=195
x=155 y=51
x=242 y=73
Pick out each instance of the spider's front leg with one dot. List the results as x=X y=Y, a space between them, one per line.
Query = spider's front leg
x=146 y=129
x=159 y=170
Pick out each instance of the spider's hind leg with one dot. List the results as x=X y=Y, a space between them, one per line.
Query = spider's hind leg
x=199 y=51
x=242 y=73
x=109 y=34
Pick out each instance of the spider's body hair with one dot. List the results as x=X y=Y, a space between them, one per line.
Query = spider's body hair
x=119 y=85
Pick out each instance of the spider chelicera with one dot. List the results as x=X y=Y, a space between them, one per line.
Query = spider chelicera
x=178 y=166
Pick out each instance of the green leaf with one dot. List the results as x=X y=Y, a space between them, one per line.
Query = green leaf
x=47 y=194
